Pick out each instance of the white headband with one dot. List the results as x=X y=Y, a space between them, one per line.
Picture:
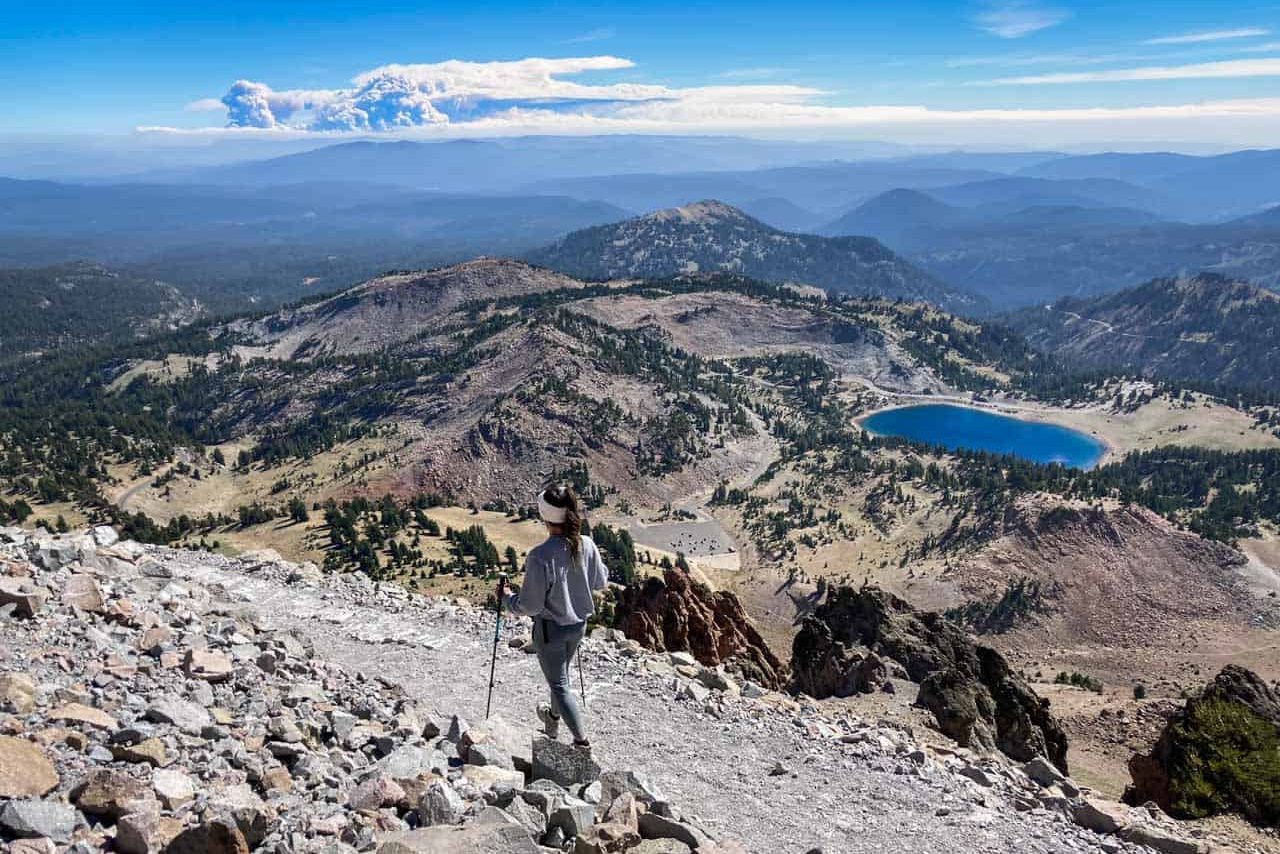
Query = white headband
x=549 y=512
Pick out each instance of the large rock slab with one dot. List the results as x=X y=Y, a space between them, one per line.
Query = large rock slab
x=1163 y=840
x=173 y=787
x=20 y=593
x=145 y=830
x=615 y=783
x=489 y=778
x=17 y=693
x=187 y=716
x=25 y=772
x=375 y=793
x=211 y=837
x=77 y=713
x=104 y=536
x=440 y=804
x=469 y=839
x=494 y=742
x=108 y=793
x=1101 y=816
x=563 y=763
x=82 y=591
x=654 y=826
x=660 y=846
x=252 y=815
x=48 y=819
x=209 y=665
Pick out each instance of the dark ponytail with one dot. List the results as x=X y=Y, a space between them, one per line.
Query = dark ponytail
x=564 y=497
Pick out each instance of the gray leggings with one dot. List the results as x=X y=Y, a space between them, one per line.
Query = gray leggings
x=556 y=646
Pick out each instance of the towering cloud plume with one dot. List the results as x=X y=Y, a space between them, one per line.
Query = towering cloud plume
x=405 y=96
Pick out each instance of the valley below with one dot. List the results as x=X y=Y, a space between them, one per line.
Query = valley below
x=711 y=423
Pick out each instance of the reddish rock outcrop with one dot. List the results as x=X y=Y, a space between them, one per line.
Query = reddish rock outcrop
x=676 y=613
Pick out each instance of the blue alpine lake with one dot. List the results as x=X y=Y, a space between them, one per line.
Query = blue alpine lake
x=956 y=427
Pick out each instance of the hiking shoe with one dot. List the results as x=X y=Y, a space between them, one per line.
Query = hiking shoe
x=550 y=720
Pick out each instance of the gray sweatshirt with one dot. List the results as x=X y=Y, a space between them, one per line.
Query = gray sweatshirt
x=557 y=589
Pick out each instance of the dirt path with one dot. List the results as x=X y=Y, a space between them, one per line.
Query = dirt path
x=716 y=768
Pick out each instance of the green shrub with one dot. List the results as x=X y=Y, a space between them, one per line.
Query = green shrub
x=1224 y=758
x=1139 y=692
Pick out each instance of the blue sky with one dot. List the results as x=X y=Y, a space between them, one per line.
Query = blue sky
x=1000 y=69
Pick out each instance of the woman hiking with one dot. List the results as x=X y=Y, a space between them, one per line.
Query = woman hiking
x=559 y=576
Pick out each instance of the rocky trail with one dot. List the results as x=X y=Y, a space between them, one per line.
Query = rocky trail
x=755 y=770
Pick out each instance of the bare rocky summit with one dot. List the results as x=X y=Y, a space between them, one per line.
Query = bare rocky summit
x=712 y=237
x=397 y=307
x=208 y=704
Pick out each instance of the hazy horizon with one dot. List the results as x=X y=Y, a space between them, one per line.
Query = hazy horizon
x=130 y=88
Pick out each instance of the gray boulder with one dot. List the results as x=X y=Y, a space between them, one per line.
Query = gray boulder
x=48 y=819
x=467 y=839
x=441 y=805
x=654 y=826
x=563 y=763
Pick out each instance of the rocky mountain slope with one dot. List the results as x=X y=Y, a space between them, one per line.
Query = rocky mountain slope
x=710 y=236
x=396 y=308
x=1203 y=328
x=166 y=700
x=471 y=382
x=843 y=646
x=1123 y=574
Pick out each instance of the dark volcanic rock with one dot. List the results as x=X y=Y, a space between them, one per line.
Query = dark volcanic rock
x=1219 y=753
x=970 y=689
x=676 y=613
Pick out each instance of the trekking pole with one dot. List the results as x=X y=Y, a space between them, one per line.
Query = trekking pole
x=582 y=683
x=497 y=630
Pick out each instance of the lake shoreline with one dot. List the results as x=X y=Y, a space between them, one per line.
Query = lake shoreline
x=1043 y=417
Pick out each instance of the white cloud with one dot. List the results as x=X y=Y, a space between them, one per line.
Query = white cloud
x=532 y=96
x=1203 y=70
x=1013 y=19
x=597 y=35
x=704 y=111
x=1266 y=47
x=1211 y=36
x=393 y=97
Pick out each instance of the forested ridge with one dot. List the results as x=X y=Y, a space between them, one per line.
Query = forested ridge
x=66 y=418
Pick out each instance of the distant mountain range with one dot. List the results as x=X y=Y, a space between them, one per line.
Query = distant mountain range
x=238 y=248
x=1018 y=228
x=710 y=236
x=162 y=215
x=1204 y=328
x=1051 y=249
x=823 y=190
x=1220 y=187
x=499 y=165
